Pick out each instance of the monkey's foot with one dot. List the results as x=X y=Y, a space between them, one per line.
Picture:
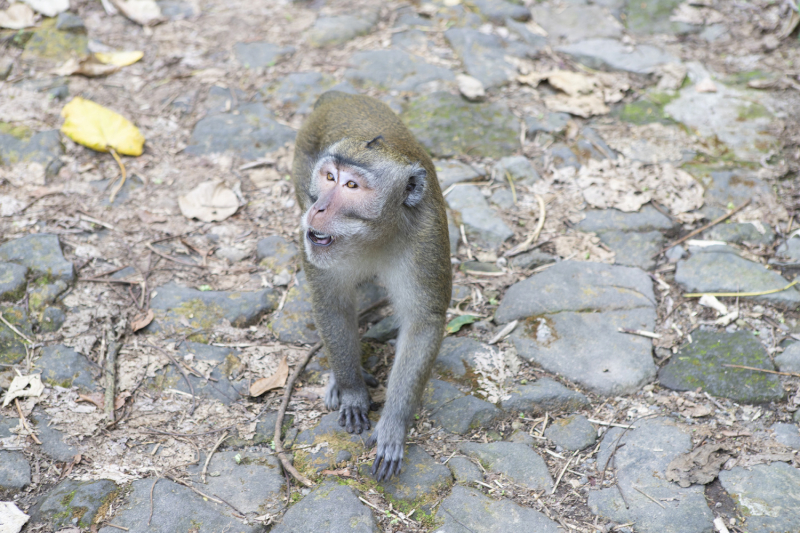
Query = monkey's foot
x=354 y=419
x=389 y=456
x=332 y=401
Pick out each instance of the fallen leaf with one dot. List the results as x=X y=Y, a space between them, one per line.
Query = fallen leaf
x=584 y=95
x=275 y=381
x=48 y=8
x=88 y=66
x=96 y=398
x=344 y=472
x=29 y=386
x=17 y=17
x=99 y=128
x=210 y=201
x=460 y=321
x=150 y=218
x=582 y=106
x=119 y=59
x=701 y=465
x=142 y=321
x=11 y=518
x=697 y=411
x=144 y=12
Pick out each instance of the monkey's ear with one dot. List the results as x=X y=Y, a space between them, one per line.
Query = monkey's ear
x=415 y=187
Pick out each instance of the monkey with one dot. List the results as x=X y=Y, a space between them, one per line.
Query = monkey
x=372 y=210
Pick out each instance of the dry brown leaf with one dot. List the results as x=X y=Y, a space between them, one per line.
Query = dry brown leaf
x=17 y=17
x=97 y=398
x=88 y=66
x=584 y=95
x=142 y=321
x=344 y=472
x=144 y=12
x=275 y=381
x=210 y=201
x=701 y=465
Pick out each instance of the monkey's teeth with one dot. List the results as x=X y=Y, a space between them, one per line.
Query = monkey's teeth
x=318 y=238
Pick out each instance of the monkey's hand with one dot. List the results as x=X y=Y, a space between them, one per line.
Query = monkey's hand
x=390 y=438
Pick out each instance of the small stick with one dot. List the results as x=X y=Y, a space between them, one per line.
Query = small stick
x=39 y=198
x=487 y=274
x=111 y=376
x=187 y=435
x=504 y=332
x=466 y=242
x=754 y=369
x=523 y=247
x=97 y=221
x=640 y=332
x=122 y=179
x=643 y=493
x=182 y=371
x=558 y=479
x=118 y=527
x=15 y=330
x=612 y=424
x=737 y=294
x=703 y=228
x=25 y=422
x=170 y=258
x=513 y=189
x=208 y=457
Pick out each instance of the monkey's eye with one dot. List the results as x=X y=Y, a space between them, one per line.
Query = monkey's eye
x=330 y=176
x=351 y=185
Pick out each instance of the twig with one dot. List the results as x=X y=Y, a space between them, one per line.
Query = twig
x=182 y=371
x=45 y=195
x=703 y=228
x=523 y=247
x=15 y=330
x=643 y=493
x=737 y=294
x=640 y=332
x=122 y=179
x=170 y=258
x=208 y=457
x=513 y=189
x=504 y=332
x=97 y=221
x=111 y=376
x=187 y=435
x=25 y=422
x=612 y=424
x=560 y=475
x=487 y=274
x=466 y=242
x=754 y=369
x=123 y=528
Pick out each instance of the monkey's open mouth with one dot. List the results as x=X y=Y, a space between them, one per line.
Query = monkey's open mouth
x=320 y=239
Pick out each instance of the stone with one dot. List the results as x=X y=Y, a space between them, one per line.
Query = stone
x=265 y=431
x=544 y=396
x=41 y=254
x=53 y=441
x=741 y=233
x=455 y=411
x=261 y=54
x=396 y=70
x=15 y=472
x=640 y=461
x=12 y=349
x=532 y=259
x=716 y=269
x=317 y=448
x=574 y=332
x=701 y=364
x=183 y=308
x=299 y=91
x=252 y=481
x=420 y=479
x=790 y=249
x=223 y=363
x=470 y=88
x=562 y=156
x=339 y=29
x=457 y=356
x=675 y=254
x=518 y=167
x=447 y=125
x=174 y=508
x=329 y=507
x=468 y=509
x=70 y=22
x=484 y=55
x=464 y=470
x=231 y=253
x=52 y=319
x=64 y=367
x=789 y=360
x=611 y=54
x=49 y=45
x=787 y=434
x=733 y=187
x=44 y=148
x=517 y=461
x=41 y=294
x=133 y=183
x=648 y=18
x=547 y=123
x=633 y=248
x=384 y=330
x=572 y=433
x=502 y=198
x=537 y=42
x=74 y=503
x=648 y=218
x=497 y=11
x=276 y=253
x=12 y=281
x=250 y=134
x=568 y=22
x=221 y=99
x=483 y=226
x=176 y=10
x=450 y=171
x=295 y=322
x=766 y=495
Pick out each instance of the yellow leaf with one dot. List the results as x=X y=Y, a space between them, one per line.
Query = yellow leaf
x=99 y=128
x=119 y=59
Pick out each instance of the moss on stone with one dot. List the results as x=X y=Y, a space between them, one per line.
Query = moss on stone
x=47 y=42
x=22 y=133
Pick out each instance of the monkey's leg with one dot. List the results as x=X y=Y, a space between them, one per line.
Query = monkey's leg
x=416 y=351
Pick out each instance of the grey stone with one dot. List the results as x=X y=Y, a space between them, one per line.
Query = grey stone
x=6 y=424
x=562 y=156
x=275 y=253
x=702 y=364
x=12 y=349
x=50 y=46
x=455 y=411
x=732 y=187
x=384 y=330
x=568 y=22
x=43 y=147
x=249 y=134
x=592 y=143
x=42 y=254
x=469 y=510
x=295 y=322
x=450 y=171
x=224 y=363
x=52 y=319
x=646 y=219
x=484 y=55
x=73 y=503
x=41 y=295
x=532 y=259
x=464 y=470
x=611 y=54
x=231 y=253
x=497 y=11
x=299 y=91
x=457 y=356
x=537 y=42
x=447 y=125
x=176 y=10
x=547 y=123
x=572 y=433
x=53 y=440
x=221 y=99
x=740 y=233
x=261 y=54
x=174 y=508
x=251 y=481
x=329 y=507
x=766 y=495
x=191 y=309
x=517 y=461
x=787 y=434
x=647 y=18
x=63 y=366
x=15 y=472
x=544 y=396
x=12 y=282
x=502 y=198
x=790 y=249
x=722 y=270
x=715 y=32
x=789 y=360
x=70 y=22
x=456 y=17
x=482 y=224
x=419 y=480
x=131 y=184
x=396 y=70
x=675 y=254
x=342 y=28
x=633 y=248
x=518 y=167
x=328 y=438
x=640 y=461
x=265 y=431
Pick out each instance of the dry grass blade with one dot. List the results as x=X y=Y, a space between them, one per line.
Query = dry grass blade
x=530 y=241
x=737 y=294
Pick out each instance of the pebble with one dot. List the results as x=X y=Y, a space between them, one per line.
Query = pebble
x=455 y=411
x=484 y=55
x=73 y=503
x=787 y=434
x=12 y=349
x=568 y=22
x=633 y=248
x=789 y=360
x=532 y=259
x=41 y=253
x=64 y=367
x=544 y=396
x=467 y=509
x=450 y=171
x=328 y=440
x=497 y=11
x=276 y=253
x=384 y=330
x=741 y=233
x=15 y=472
x=457 y=356
x=547 y=123
x=70 y=22
x=471 y=88
x=54 y=442
x=299 y=91
x=482 y=224
x=421 y=478
x=518 y=167
x=790 y=250
x=648 y=218
x=572 y=433
x=464 y=470
x=517 y=461
x=329 y=507
x=653 y=17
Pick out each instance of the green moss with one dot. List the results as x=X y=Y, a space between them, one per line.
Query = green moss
x=22 y=133
x=753 y=111
x=49 y=43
